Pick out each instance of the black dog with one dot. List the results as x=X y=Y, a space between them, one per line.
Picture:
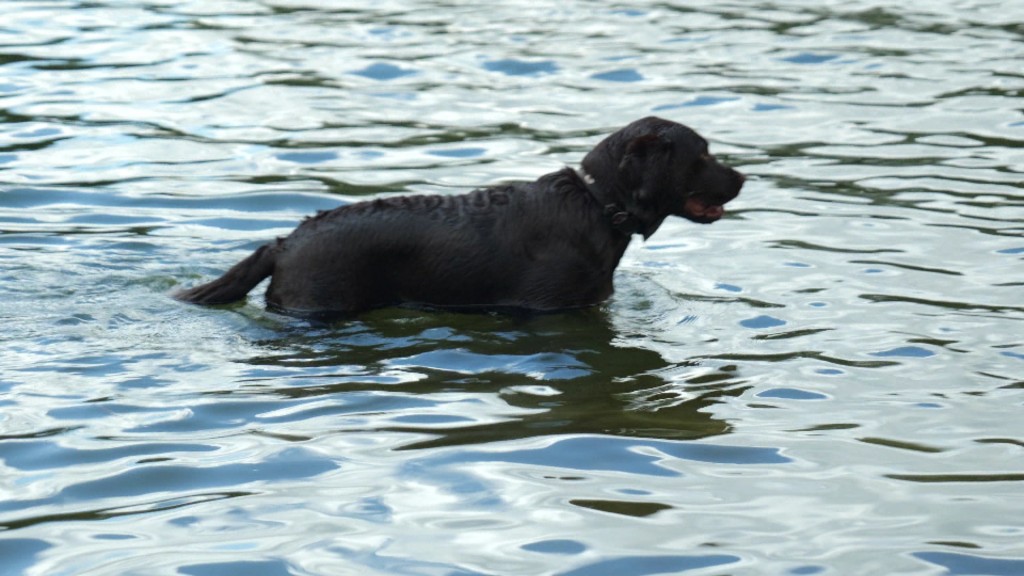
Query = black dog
x=544 y=245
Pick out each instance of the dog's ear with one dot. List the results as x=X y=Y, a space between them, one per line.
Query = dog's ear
x=641 y=171
x=638 y=152
x=646 y=143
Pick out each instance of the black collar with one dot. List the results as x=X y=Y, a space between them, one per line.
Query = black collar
x=617 y=216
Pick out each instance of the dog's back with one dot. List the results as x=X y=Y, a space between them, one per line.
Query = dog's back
x=506 y=246
x=525 y=245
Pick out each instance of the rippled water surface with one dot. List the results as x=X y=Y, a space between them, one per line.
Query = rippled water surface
x=827 y=381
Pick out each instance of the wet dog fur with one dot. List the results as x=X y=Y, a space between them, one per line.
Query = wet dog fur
x=545 y=245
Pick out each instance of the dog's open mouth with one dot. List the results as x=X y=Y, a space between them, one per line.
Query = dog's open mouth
x=702 y=212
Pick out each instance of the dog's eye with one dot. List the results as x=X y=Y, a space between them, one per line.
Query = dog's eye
x=702 y=161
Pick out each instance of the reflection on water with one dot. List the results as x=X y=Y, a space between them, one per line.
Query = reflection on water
x=826 y=381
x=592 y=387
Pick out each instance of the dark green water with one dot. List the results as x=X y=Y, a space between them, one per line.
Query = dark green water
x=827 y=381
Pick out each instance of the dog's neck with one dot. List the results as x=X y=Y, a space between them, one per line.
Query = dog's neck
x=617 y=216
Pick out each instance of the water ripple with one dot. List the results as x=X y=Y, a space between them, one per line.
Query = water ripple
x=828 y=380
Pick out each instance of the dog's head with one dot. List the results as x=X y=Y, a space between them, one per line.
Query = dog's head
x=655 y=168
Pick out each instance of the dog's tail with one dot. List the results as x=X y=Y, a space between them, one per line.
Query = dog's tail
x=236 y=282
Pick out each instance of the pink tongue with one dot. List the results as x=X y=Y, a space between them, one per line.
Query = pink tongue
x=714 y=212
x=701 y=210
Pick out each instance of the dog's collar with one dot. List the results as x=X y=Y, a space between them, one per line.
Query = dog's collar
x=614 y=213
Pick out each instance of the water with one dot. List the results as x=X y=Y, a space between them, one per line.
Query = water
x=828 y=381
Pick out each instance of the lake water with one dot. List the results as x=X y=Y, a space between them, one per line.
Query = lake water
x=830 y=380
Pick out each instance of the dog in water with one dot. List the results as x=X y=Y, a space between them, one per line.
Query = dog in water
x=545 y=245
